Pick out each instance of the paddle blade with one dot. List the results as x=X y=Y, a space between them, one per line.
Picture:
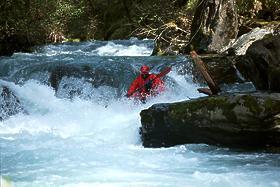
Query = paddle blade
x=164 y=72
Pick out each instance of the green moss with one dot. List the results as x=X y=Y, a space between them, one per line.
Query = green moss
x=224 y=108
x=252 y=104
x=203 y=107
x=72 y=40
x=145 y=118
x=271 y=106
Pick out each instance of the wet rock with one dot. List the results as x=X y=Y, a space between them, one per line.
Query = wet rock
x=80 y=77
x=261 y=63
x=222 y=69
x=236 y=120
x=9 y=103
x=214 y=25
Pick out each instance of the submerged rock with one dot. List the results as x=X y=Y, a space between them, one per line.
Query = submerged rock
x=9 y=103
x=236 y=120
x=75 y=80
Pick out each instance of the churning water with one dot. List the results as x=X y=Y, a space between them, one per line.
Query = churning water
x=86 y=133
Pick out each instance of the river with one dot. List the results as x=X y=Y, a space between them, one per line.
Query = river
x=91 y=137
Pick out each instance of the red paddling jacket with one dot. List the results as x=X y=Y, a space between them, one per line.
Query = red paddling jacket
x=152 y=89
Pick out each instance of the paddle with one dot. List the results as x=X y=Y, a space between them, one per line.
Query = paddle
x=161 y=74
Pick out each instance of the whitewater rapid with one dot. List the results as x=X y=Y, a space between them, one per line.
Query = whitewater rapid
x=95 y=141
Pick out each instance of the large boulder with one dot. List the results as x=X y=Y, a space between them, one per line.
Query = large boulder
x=240 y=46
x=214 y=25
x=236 y=120
x=9 y=103
x=261 y=63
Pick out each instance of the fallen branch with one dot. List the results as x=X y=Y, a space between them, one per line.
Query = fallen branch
x=214 y=88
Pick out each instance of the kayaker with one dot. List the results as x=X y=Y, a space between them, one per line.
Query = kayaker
x=145 y=85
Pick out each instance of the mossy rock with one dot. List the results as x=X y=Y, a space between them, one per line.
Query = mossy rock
x=234 y=120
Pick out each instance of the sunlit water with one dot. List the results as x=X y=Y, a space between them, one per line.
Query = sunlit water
x=93 y=139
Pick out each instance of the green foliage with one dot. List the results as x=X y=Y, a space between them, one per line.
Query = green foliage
x=192 y=5
x=36 y=19
x=155 y=13
x=265 y=9
x=66 y=11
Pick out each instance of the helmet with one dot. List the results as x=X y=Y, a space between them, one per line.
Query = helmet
x=145 y=69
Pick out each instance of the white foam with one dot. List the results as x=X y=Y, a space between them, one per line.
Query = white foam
x=49 y=114
x=112 y=49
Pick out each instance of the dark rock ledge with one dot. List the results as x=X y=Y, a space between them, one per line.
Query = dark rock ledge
x=9 y=103
x=235 y=120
